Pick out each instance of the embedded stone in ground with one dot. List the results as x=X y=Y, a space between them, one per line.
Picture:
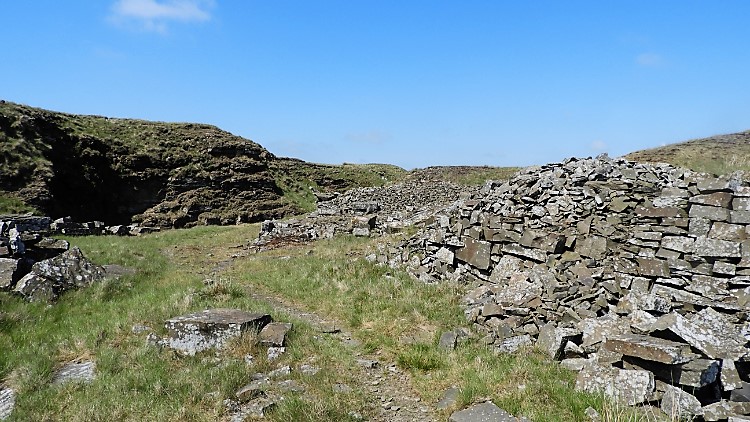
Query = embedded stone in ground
x=211 y=328
x=274 y=334
x=7 y=402
x=75 y=372
x=482 y=412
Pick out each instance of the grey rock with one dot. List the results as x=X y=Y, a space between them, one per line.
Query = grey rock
x=211 y=328
x=274 y=353
x=255 y=388
x=84 y=372
x=476 y=253
x=7 y=402
x=448 y=340
x=274 y=334
x=8 y=273
x=50 y=278
x=622 y=385
x=680 y=404
x=649 y=348
x=483 y=412
x=449 y=398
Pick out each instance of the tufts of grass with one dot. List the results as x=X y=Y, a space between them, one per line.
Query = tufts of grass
x=11 y=204
x=420 y=357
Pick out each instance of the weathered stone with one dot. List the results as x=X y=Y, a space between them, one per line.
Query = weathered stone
x=550 y=242
x=449 y=398
x=678 y=243
x=723 y=409
x=724 y=268
x=8 y=272
x=596 y=330
x=483 y=412
x=594 y=247
x=727 y=231
x=84 y=372
x=709 y=332
x=741 y=393
x=649 y=267
x=649 y=348
x=513 y=344
x=717 y=199
x=445 y=255
x=448 y=340
x=492 y=309
x=730 y=377
x=739 y=217
x=211 y=328
x=699 y=227
x=653 y=212
x=274 y=334
x=626 y=386
x=475 y=253
x=532 y=254
x=552 y=339
x=256 y=388
x=50 y=278
x=680 y=404
x=7 y=402
x=709 y=213
x=696 y=373
x=716 y=248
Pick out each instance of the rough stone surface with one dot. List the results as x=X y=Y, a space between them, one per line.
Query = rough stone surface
x=680 y=404
x=211 y=328
x=84 y=372
x=7 y=402
x=274 y=334
x=50 y=278
x=623 y=385
x=483 y=412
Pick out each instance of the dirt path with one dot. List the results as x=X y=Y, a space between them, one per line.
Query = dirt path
x=391 y=395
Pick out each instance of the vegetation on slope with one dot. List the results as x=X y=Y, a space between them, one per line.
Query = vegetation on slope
x=717 y=155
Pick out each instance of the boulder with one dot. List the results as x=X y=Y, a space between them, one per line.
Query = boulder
x=52 y=277
x=212 y=328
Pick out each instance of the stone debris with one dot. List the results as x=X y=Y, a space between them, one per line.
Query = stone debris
x=483 y=412
x=84 y=372
x=50 y=278
x=7 y=402
x=212 y=328
x=274 y=334
x=449 y=398
x=365 y=212
x=604 y=262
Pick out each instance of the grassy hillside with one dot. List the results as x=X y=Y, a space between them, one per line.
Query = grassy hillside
x=717 y=155
x=391 y=317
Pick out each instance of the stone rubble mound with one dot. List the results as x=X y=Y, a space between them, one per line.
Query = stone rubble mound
x=366 y=211
x=37 y=267
x=637 y=275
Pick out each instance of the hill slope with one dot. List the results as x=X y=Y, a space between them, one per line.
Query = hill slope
x=717 y=154
x=169 y=174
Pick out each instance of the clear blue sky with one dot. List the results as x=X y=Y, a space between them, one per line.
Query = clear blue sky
x=408 y=82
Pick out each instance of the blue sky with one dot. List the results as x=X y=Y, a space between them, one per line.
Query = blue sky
x=410 y=82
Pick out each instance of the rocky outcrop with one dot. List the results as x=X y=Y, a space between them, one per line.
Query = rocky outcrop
x=124 y=170
x=636 y=275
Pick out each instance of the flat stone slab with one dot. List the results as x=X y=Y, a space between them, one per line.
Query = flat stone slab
x=649 y=348
x=7 y=402
x=84 y=372
x=680 y=404
x=274 y=334
x=211 y=328
x=709 y=332
x=483 y=412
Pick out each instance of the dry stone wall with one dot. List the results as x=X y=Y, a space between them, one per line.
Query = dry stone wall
x=637 y=275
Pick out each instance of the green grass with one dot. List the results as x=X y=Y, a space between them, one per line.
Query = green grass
x=11 y=204
x=388 y=312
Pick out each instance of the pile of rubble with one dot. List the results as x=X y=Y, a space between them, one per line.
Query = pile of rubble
x=366 y=211
x=637 y=275
x=37 y=267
